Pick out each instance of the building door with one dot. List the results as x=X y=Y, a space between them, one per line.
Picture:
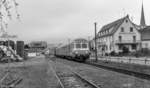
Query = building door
x=134 y=46
x=125 y=49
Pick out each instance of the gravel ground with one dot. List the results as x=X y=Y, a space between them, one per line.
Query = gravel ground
x=107 y=79
x=36 y=73
x=68 y=78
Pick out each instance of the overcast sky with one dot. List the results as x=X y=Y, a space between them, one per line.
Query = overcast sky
x=55 y=21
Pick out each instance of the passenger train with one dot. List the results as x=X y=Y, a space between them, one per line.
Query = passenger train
x=77 y=50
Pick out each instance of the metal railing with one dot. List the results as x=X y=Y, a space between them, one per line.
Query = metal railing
x=128 y=41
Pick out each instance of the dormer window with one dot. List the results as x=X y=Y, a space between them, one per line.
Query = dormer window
x=122 y=29
x=108 y=31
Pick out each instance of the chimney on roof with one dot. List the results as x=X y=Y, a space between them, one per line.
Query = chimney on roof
x=142 y=22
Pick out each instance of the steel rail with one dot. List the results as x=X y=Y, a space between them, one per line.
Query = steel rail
x=54 y=72
x=120 y=70
x=87 y=81
x=82 y=78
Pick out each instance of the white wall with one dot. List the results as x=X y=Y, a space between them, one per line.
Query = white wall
x=110 y=41
x=126 y=35
x=107 y=41
x=146 y=44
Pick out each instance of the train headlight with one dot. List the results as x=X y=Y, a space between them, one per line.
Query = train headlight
x=86 y=52
x=76 y=52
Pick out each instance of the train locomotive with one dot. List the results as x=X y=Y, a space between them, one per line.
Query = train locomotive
x=77 y=50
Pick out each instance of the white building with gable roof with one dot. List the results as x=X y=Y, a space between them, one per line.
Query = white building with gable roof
x=118 y=35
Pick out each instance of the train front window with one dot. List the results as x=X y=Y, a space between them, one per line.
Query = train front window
x=84 y=45
x=78 y=45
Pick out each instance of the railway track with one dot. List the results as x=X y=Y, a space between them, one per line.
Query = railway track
x=68 y=78
x=120 y=70
x=7 y=82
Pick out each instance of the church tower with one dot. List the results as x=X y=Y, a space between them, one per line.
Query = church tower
x=142 y=22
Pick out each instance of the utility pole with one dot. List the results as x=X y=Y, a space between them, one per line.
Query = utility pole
x=55 y=51
x=69 y=47
x=89 y=43
x=95 y=24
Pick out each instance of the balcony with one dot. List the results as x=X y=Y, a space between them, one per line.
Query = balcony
x=128 y=41
x=101 y=43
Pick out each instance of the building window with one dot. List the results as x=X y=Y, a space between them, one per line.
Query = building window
x=134 y=46
x=122 y=29
x=126 y=21
x=131 y=29
x=120 y=38
x=106 y=47
x=120 y=47
x=134 y=38
x=110 y=47
x=146 y=45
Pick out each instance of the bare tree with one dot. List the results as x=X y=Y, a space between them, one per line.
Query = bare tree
x=8 y=10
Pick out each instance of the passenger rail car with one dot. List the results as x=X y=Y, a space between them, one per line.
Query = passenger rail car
x=77 y=50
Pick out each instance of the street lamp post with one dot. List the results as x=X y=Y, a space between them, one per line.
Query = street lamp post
x=96 y=59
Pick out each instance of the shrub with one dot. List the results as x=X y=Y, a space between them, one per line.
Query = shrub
x=142 y=52
x=113 y=53
x=125 y=50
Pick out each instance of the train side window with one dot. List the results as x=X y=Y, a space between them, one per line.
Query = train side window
x=84 y=45
x=72 y=45
x=78 y=45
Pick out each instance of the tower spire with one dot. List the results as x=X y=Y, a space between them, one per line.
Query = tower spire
x=142 y=22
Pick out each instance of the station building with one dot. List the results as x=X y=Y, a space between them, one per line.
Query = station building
x=123 y=34
x=118 y=35
x=145 y=37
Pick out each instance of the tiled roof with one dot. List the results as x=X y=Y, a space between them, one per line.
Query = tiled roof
x=138 y=27
x=114 y=26
x=145 y=33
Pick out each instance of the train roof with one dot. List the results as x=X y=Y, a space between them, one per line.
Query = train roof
x=80 y=40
